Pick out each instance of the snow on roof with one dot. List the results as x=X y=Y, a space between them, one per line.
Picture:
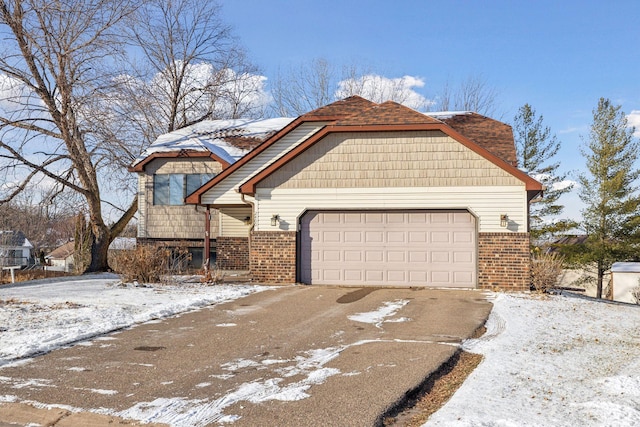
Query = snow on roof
x=626 y=267
x=443 y=115
x=216 y=136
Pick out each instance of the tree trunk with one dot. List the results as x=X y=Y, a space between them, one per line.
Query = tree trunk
x=100 y=241
x=600 y=280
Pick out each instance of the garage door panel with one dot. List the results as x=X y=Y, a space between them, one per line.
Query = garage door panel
x=460 y=257
x=440 y=237
x=353 y=275
x=373 y=218
x=417 y=237
x=440 y=277
x=397 y=248
x=462 y=237
x=440 y=256
x=353 y=256
x=396 y=276
x=374 y=256
x=396 y=236
x=463 y=277
x=396 y=256
x=374 y=237
x=352 y=237
x=418 y=256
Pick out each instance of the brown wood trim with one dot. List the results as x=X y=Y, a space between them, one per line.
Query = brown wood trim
x=196 y=196
x=249 y=187
x=139 y=167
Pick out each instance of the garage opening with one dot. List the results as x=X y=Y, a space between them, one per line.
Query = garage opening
x=389 y=248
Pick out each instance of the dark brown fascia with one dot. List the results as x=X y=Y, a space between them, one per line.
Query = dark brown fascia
x=195 y=197
x=249 y=187
x=139 y=167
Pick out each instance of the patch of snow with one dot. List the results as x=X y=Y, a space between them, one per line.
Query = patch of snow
x=42 y=315
x=377 y=317
x=551 y=361
x=226 y=325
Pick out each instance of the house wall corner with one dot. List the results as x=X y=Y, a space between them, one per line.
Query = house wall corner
x=273 y=257
x=504 y=261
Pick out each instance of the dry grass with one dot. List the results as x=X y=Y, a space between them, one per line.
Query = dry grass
x=25 y=275
x=435 y=391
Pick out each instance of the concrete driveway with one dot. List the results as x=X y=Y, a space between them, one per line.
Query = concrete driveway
x=292 y=356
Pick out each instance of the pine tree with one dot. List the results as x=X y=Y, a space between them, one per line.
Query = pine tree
x=536 y=148
x=610 y=191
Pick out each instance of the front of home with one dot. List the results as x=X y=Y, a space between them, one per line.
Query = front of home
x=359 y=193
x=177 y=164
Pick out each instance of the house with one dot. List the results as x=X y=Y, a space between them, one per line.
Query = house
x=15 y=249
x=360 y=193
x=625 y=282
x=180 y=162
x=61 y=258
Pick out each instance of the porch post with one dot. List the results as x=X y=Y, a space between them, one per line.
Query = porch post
x=207 y=240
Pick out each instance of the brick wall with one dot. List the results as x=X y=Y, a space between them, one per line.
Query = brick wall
x=232 y=253
x=273 y=256
x=504 y=261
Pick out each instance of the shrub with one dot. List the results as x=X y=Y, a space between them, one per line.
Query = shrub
x=145 y=264
x=546 y=269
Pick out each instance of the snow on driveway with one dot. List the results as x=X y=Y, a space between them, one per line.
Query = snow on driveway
x=40 y=316
x=552 y=361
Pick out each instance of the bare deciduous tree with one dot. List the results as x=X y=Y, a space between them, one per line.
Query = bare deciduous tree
x=472 y=94
x=71 y=109
x=56 y=56
x=311 y=85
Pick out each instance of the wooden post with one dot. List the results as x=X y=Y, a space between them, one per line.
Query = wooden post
x=207 y=241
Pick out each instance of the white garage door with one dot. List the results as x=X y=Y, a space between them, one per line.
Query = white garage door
x=393 y=248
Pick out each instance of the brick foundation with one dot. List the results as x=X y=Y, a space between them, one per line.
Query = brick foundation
x=504 y=261
x=232 y=253
x=273 y=256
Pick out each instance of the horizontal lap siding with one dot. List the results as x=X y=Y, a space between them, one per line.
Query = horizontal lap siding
x=225 y=192
x=486 y=203
x=233 y=222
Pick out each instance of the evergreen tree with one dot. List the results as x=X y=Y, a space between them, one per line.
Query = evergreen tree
x=536 y=147
x=610 y=191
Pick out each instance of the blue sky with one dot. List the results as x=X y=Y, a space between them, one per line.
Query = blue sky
x=558 y=56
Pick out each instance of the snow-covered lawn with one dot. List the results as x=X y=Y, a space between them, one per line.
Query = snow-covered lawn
x=552 y=361
x=42 y=315
x=548 y=361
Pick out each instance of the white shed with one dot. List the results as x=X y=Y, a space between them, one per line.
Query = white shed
x=625 y=276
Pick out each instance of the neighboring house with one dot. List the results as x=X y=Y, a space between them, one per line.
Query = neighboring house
x=61 y=258
x=625 y=282
x=359 y=193
x=15 y=249
x=180 y=162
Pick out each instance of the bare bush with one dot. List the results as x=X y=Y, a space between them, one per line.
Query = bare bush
x=635 y=293
x=145 y=264
x=546 y=269
x=149 y=263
